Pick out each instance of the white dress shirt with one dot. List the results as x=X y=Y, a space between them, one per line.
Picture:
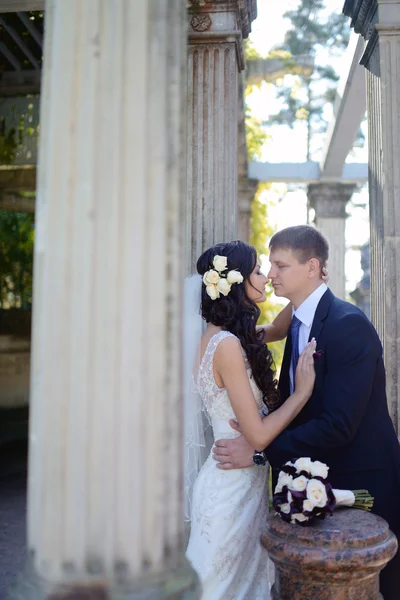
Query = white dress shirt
x=305 y=313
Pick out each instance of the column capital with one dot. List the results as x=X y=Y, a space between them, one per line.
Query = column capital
x=373 y=18
x=363 y=15
x=212 y=21
x=330 y=199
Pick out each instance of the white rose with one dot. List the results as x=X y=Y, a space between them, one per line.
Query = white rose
x=289 y=463
x=234 y=277
x=319 y=469
x=308 y=505
x=285 y=508
x=212 y=292
x=223 y=287
x=211 y=277
x=299 y=484
x=283 y=479
x=303 y=464
x=316 y=493
x=220 y=263
x=299 y=517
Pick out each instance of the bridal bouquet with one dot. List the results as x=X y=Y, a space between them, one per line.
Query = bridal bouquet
x=303 y=493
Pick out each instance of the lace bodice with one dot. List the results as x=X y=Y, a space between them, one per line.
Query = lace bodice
x=216 y=399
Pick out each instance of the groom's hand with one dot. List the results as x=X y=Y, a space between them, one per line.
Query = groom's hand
x=233 y=454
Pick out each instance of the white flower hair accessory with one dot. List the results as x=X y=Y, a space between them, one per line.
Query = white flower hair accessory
x=216 y=281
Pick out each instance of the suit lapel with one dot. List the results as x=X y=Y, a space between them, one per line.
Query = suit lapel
x=316 y=328
x=284 y=379
x=321 y=314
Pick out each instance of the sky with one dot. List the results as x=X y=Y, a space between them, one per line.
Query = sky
x=287 y=145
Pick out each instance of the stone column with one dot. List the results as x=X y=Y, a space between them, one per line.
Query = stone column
x=105 y=516
x=329 y=201
x=216 y=31
x=246 y=193
x=379 y=23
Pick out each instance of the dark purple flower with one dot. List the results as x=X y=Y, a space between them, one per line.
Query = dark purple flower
x=318 y=354
x=289 y=470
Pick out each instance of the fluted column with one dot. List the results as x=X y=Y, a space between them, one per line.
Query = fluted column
x=105 y=437
x=216 y=32
x=379 y=23
x=247 y=187
x=329 y=201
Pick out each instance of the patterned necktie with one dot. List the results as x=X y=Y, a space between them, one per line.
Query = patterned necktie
x=295 y=328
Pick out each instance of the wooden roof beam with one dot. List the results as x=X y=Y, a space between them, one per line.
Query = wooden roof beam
x=37 y=36
x=21 y=5
x=10 y=57
x=11 y=31
x=349 y=110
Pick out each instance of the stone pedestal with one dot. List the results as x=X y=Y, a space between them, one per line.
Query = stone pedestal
x=105 y=515
x=339 y=558
x=216 y=32
x=378 y=21
x=329 y=201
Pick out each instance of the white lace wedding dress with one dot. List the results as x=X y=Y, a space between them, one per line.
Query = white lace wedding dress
x=229 y=508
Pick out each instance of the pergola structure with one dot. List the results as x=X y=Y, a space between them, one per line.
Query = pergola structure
x=22 y=52
x=139 y=143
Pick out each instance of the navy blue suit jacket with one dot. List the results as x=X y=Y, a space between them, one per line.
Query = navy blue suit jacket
x=346 y=422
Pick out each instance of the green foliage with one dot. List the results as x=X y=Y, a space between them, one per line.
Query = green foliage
x=16 y=259
x=250 y=51
x=302 y=96
x=8 y=146
x=255 y=136
x=261 y=232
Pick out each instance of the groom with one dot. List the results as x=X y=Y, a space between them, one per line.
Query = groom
x=346 y=422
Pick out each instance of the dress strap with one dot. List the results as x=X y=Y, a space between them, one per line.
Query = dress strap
x=207 y=362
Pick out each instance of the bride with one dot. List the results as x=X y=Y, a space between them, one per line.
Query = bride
x=234 y=378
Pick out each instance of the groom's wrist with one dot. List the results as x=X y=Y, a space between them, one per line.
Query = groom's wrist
x=259 y=458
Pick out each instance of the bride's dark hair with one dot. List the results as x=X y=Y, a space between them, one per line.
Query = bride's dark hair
x=238 y=314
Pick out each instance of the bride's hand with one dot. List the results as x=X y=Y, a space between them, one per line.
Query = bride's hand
x=305 y=372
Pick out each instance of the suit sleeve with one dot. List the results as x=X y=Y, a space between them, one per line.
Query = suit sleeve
x=353 y=351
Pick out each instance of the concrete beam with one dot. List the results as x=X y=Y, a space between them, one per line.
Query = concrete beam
x=16 y=202
x=308 y=172
x=270 y=69
x=21 y=5
x=349 y=110
x=19 y=83
x=15 y=179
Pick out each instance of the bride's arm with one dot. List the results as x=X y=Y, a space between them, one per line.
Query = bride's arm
x=277 y=330
x=259 y=432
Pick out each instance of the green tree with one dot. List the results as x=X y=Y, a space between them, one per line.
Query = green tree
x=261 y=229
x=16 y=259
x=304 y=96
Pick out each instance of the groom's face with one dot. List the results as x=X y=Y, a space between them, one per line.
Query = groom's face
x=288 y=276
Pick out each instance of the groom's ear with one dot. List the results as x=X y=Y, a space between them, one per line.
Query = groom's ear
x=314 y=269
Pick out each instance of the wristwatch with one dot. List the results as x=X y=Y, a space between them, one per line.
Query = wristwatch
x=259 y=459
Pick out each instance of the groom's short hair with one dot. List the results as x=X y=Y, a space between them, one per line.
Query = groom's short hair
x=303 y=240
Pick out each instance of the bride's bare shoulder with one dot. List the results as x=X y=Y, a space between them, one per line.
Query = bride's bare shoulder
x=229 y=348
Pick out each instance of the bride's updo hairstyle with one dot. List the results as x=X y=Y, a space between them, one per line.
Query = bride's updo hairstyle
x=238 y=314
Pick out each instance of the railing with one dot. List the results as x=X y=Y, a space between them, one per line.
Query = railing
x=19 y=130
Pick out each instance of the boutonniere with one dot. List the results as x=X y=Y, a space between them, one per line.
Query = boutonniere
x=318 y=354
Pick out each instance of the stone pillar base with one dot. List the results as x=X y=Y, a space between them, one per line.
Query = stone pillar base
x=339 y=558
x=365 y=589
x=179 y=584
